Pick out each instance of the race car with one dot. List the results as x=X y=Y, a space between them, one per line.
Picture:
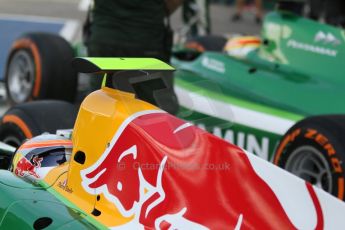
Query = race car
x=278 y=96
x=129 y=165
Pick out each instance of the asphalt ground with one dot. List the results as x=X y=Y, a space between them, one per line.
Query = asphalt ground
x=65 y=17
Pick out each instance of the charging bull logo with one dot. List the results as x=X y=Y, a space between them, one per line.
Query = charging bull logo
x=26 y=167
x=165 y=173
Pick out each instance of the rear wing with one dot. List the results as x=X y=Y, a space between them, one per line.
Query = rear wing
x=148 y=78
x=110 y=65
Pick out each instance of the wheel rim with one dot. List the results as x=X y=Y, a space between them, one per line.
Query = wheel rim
x=309 y=164
x=21 y=76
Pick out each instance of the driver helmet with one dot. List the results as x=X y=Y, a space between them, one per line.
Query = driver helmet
x=241 y=46
x=38 y=156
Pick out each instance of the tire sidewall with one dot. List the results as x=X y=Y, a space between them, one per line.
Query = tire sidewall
x=308 y=134
x=10 y=131
x=54 y=77
x=30 y=119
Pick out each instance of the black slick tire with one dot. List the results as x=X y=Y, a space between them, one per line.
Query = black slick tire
x=314 y=149
x=51 y=77
x=30 y=119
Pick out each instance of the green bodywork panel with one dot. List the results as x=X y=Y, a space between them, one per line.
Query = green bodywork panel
x=279 y=75
x=22 y=203
x=296 y=72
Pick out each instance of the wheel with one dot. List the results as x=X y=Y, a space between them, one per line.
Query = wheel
x=314 y=149
x=30 y=119
x=38 y=67
x=206 y=43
